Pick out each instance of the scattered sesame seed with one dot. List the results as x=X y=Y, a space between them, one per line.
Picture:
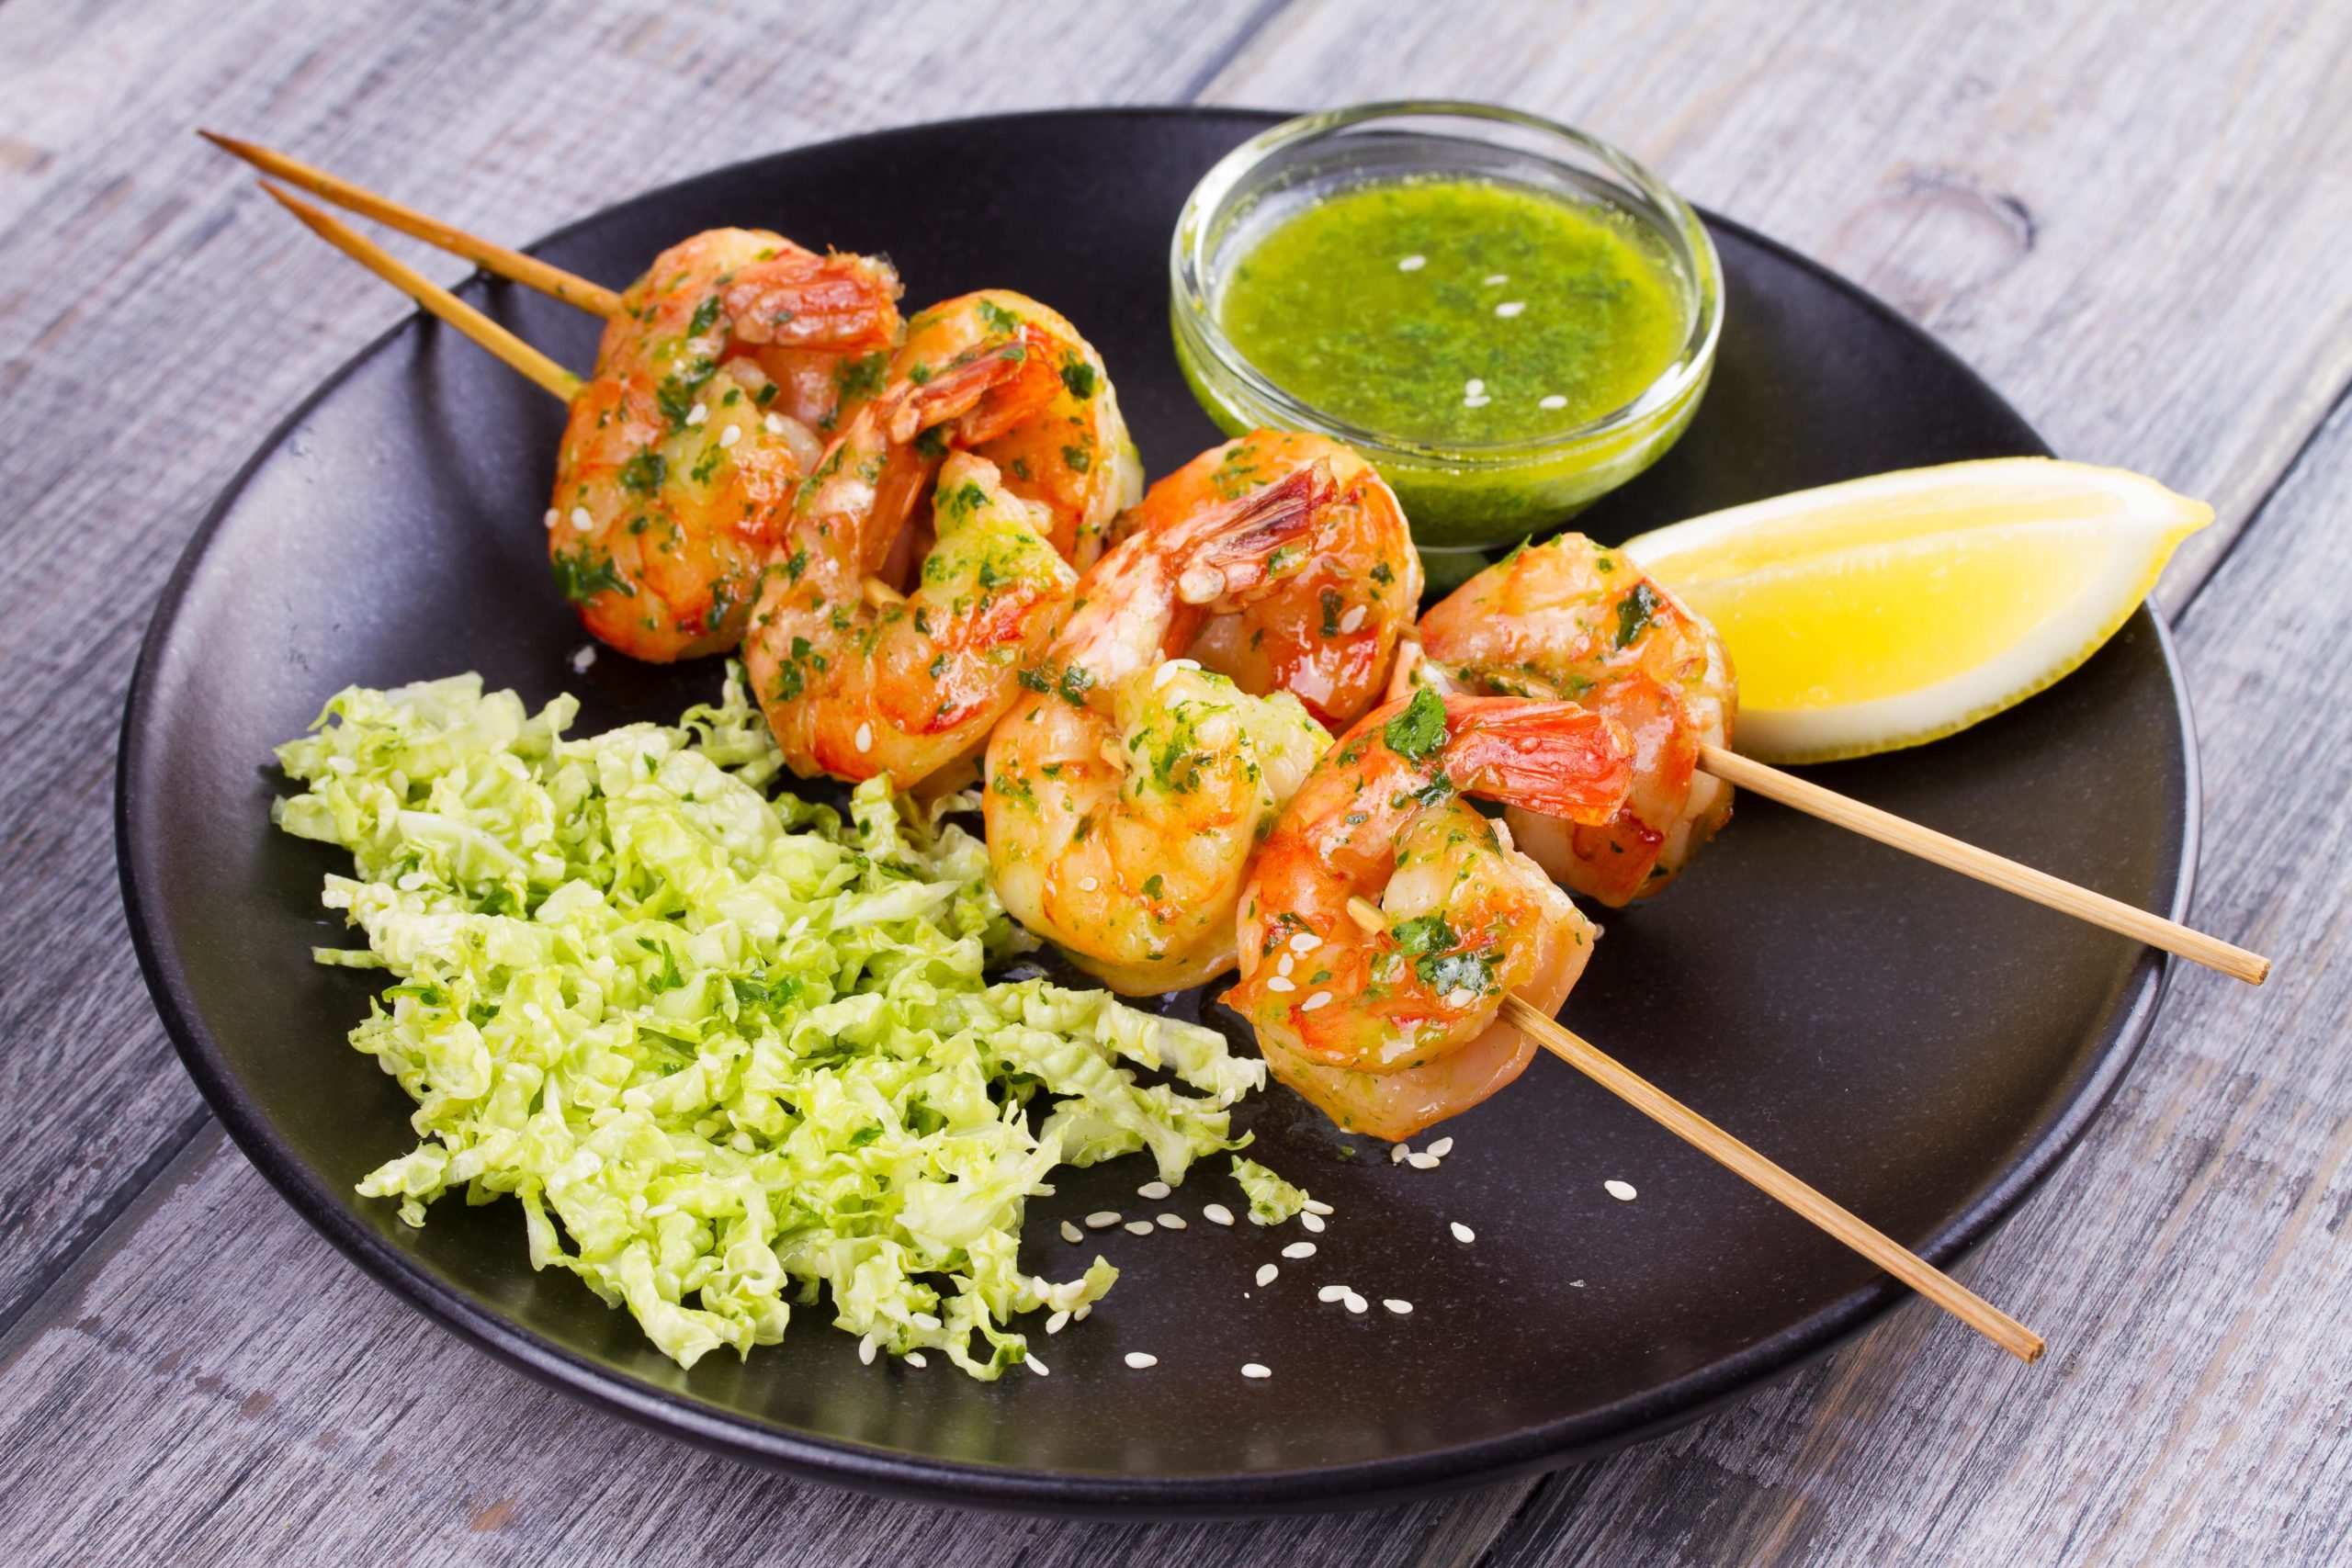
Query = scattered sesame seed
x=1082 y=1314
x=864 y=737
x=1423 y=1161
x=1473 y=388
x=1511 y=308
x=923 y=1320
x=1102 y=1219
x=1319 y=999
x=1281 y=983
x=1317 y=1206
x=1331 y=1293
x=1172 y=1221
x=580 y=518
x=1357 y=1303
x=1576 y=1284
x=553 y=518
x=1496 y=277
x=1252 y=1369
x=1138 y=1227
x=1399 y=1153
x=697 y=415
x=1477 y=402
x=731 y=435
x=1312 y=1221
x=1072 y=1234
x=1398 y=1306
x=1620 y=1191
x=865 y=1349
x=1353 y=619
x=1035 y=1365
x=1555 y=402
x=1288 y=962
x=1266 y=1273
x=1056 y=1323
x=583 y=657
x=1306 y=942
x=1142 y=1361
x=1442 y=1147
x=1087 y=884
x=772 y=424
x=1217 y=1215
x=1152 y=1189
x=1412 y=264
x=916 y=1359
x=1165 y=673
x=1463 y=1233
x=1299 y=1249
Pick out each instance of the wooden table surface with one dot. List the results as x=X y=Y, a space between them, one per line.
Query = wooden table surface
x=2134 y=220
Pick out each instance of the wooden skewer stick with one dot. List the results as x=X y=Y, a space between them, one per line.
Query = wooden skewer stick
x=528 y=270
x=433 y=297
x=1720 y=1146
x=1985 y=865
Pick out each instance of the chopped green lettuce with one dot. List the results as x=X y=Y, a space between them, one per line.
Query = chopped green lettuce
x=727 y=1050
x=1271 y=1199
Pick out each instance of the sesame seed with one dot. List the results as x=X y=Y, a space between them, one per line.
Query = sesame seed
x=1353 y=619
x=1152 y=1189
x=1165 y=673
x=1299 y=1249
x=1493 y=279
x=731 y=435
x=1087 y=884
x=1423 y=1161
x=1331 y=1293
x=553 y=518
x=1312 y=1221
x=583 y=657
x=1281 y=983
x=1412 y=264
x=1102 y=1219
x=1217 y=1215
x=1555 y=402
x=1072 y=1234
x=1056 y=1323
x=1357 y=1303
x=1289 y=962
x=1473 y=387
x=772 y=424
x=1035 y=1365
x=1141 y=1360
x=864 y=737
x=1252 y=1369
x=1082 y=1314
x=1317 y=1206
x=865 y=1349
x=1321 y=998
x=580 y=518
x=660 y=1210
x=1306 y=942
x=1460 y=996
x=1172 y=1221
x=697 y=415
x=916 y=1359
x=1266 y=1273
x=1138 y=1227
x=1442 y=1147
x=1477 y=402
x=923 y=1320
x=1398 y=1306
x=1463 y=1233
x=1511 y=308
x=1399 y=1153
x=1620 y=1191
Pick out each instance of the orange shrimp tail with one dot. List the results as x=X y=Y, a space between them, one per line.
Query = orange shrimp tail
x=1552 y=758
x=1228 y=551
x=953 y=392
x=1018 y=398
x=840 y=303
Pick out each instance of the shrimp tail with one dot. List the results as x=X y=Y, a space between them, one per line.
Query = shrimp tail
x=1552 y=758
x=1229 y=549
x=954 y=393
x=840 y=303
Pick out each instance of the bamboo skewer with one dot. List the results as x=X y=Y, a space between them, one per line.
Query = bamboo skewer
x=1985 y=865
x=433 y=297
x=528 y=270
x=1720 y=1146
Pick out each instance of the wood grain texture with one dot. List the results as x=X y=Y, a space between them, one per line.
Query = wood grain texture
x=158 y=316
x=2130 y=218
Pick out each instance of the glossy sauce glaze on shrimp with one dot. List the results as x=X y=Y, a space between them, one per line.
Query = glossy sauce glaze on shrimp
x=1127 y=793
x=1385 y=918
x=858 y=679
x=1571 y=619
x=682 y=452
x=1330 y=638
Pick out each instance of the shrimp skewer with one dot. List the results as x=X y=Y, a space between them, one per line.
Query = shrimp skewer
x=1128 y=793
x=1386 y=919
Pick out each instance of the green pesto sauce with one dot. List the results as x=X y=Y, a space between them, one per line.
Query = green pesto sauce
x=1452 y=312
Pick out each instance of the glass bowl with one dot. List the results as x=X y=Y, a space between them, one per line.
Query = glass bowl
x=1463 y=498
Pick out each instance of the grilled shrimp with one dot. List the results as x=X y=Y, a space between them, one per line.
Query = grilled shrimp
x=1330 y=637
x=1385 y=918
x=1058 y=437
x=858 y=679
x=1127 y=795
x=1571 y=619
x=681 y=453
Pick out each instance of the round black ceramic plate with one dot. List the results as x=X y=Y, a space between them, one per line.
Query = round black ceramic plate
x=1920 y=1047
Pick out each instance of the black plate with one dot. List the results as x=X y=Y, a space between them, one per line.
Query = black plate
x=1921 y=1047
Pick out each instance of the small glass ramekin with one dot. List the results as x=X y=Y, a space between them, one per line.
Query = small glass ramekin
x=1467 y=498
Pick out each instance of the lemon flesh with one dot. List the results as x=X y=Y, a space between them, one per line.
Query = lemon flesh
x=1888 y=611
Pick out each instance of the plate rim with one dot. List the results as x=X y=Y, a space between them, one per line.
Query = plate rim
x=896 y=1472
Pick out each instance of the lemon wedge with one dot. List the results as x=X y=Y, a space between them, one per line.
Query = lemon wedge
x=1887 y=611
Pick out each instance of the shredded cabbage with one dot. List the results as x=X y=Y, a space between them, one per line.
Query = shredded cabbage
x=724 y=1048
x=1271 y=1199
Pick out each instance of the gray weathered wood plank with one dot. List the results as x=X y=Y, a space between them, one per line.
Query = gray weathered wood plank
x=2129 y=218
x=157 y=316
